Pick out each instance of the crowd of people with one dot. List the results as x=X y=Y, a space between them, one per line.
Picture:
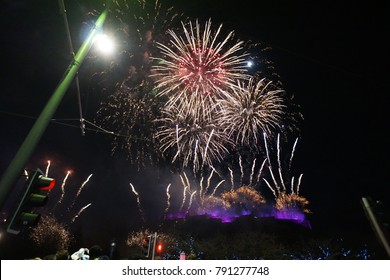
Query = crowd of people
x=93 y=253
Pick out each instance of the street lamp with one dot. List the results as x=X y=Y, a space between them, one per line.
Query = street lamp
x=25 y=151
x=104 y=44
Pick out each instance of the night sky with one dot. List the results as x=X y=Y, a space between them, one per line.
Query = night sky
x=333 y=57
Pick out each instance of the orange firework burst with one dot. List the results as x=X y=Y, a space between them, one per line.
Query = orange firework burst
x=292 y=201
x=245 y=197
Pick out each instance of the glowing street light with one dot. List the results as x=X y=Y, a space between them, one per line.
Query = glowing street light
x=104 y=44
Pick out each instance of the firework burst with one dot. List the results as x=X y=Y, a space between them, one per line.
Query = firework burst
x=130 y=113
x=50 y=235
x=192 y=137
x=131 y=106
x=134 y=26
x=197 y=65
x=245 y=197
x=249 y=111
x=292 y=201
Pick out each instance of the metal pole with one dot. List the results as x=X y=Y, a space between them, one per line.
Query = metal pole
x=154 y=245
x=374 y=222
x=63 y=12
x=25 y=151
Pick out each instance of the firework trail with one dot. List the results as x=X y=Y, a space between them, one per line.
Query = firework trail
x=296 y=191
x=279 y=163
x=83 y=185
x=194 y=164
x=270 y=171
x=271 y=188
x=231 y=178
x=197 y=66
x=201 y=191
x=201 y=187
x=252 y=172
x=286 y=201
x=266 y=148
x=292 y=154
x=168 y=201
x=241 y=169
x=187 y=181
x=138 y=202
x=184 y=197
x=208 y=180
x=47 y=168
x=79 y=191
x=216 y=187
x=207 y=146
x=190 y=202
x=63 y=187
x=81 y=211
x=260 y=171
x=299 y=183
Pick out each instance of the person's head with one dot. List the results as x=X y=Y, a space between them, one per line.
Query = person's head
x=49 y=257
x=62 y=255
x=95 y=252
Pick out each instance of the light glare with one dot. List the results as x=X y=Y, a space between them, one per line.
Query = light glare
x=104 y=44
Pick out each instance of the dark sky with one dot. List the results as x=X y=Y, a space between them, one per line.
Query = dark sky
x=332 y=56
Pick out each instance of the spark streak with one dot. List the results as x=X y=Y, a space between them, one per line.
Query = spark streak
x=252 y=172
x=216 y=187
x=47 y=168
x=279 y=163
x=260 y=171
x=81 y=211
x=184 y=198
x=191 y=200
x=292 y=153
x=168 y=200
x=231 y=179
x=63 y=187
x=83 y=185
x=138 y=202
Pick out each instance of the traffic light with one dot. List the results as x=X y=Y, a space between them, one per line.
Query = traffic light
x=159 y=248
x=146 y=242
x=33 y=195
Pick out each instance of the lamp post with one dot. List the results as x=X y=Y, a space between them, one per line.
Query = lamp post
x=25 y=151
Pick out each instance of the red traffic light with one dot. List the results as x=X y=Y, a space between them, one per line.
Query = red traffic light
x=45 y=183
x=159 y=248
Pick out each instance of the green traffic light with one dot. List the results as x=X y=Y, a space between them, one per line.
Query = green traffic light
x=29 y=219
x=37 y=200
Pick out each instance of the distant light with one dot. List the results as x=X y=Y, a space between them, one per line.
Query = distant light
x=249 y=63
x=104 y=44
